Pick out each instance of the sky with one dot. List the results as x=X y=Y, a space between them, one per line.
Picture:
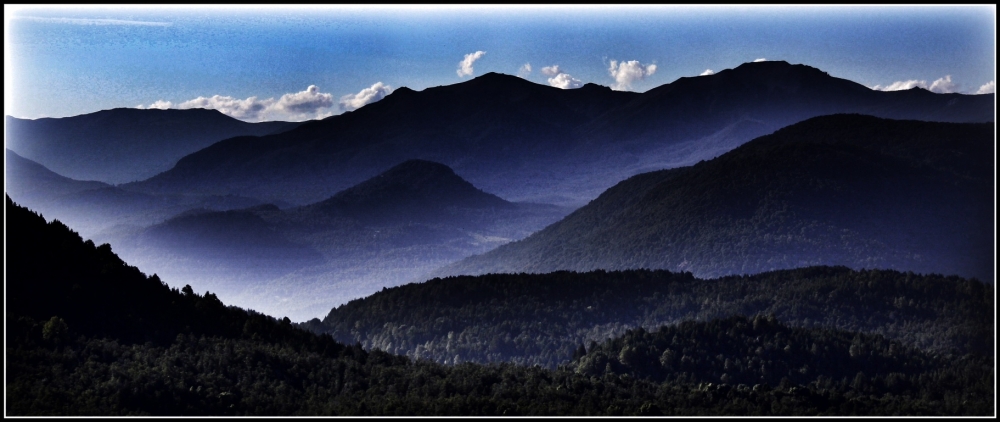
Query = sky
x=259 y=63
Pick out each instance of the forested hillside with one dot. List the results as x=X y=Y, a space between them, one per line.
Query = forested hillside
x=759 y=352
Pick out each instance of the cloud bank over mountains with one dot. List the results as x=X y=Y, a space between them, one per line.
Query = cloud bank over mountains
x=308 y=104
x=943 y=85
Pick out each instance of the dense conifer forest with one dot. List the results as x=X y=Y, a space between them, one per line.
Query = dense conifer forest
x=542 y=318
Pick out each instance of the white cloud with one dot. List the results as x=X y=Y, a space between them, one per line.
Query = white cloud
x=77 y=21
x=707 y=72
x=944 y=85
x=988 y=88
x=627 y=73
x=561 y=79
x=565 y=81
x=368 y=95
x=465 y=66
x=304 y=104
x=760 y=60
x=298 y=106
x=551 y=70
x=525 y=70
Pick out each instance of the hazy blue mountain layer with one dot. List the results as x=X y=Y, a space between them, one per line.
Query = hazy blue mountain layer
x=386 y=231
x=125 y=144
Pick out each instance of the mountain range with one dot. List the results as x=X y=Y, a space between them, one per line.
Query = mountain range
x=850 y=190
x=124 y=144
x=528 y=142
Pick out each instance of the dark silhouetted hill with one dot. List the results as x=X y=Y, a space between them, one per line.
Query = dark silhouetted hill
x=29 y=181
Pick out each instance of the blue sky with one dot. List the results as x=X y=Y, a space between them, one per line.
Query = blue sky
x=294 y=63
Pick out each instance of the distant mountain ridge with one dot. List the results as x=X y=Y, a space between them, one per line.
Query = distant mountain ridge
x=92 y=207
x=125 y=144
x=834 y=190
x=528 y=142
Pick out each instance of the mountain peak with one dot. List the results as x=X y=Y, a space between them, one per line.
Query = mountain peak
x=495 y=75
x=768 y=63
x=777 y=67
x=498 y=79
x=402 y=90
x=595 y=87
x=411 y=188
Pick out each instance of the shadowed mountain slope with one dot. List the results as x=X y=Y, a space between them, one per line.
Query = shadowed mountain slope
x=835 y=190
x=416 y=190
x=30 y=182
